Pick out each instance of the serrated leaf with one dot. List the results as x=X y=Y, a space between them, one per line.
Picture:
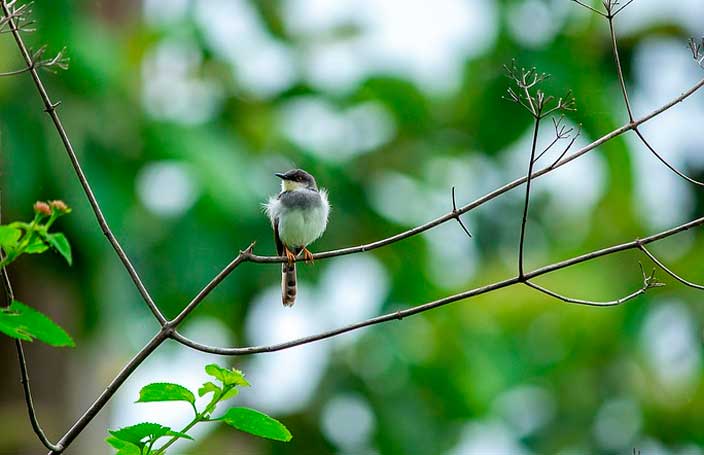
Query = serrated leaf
x=9 y=236
x=164 y=391
x=123 y=447
x=26 y=323
x=60 y=243
x=136 y=434
x=226 y=376
x=257 y=423
x=207 y=388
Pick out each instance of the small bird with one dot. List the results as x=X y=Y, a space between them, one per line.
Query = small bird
x=299 y=215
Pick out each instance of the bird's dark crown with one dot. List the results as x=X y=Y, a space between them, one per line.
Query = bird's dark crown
x=299 y=176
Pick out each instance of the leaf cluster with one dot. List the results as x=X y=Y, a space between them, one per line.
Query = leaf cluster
x=19 y=320
x=141 y=439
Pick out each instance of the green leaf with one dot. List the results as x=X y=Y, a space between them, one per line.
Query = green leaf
x=36 y=246
x=230 y=393
x=9 y=237
x=227 y=377
x=164 y=391
x=136 y=434
x=207 y=388
x=123 y=447
x=60 y=242
x=11 y=325
x=26 y=323
x=256 y=423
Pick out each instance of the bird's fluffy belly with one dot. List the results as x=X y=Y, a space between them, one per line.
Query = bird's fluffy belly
x=299 y=227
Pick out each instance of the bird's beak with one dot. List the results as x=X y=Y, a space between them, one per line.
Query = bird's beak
x=280 y=175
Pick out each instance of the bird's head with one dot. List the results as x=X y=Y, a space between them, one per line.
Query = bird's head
x=296 y=179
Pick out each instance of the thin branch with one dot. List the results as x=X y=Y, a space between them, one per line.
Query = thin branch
x=524 y=219
x=622 y=8
x=397 y=315
x=457 y=214
x=669 y=271
x=589 y=8
x=664 y=161
x=561 y=132
x=697 y=49
x=569 y=146
x=241 y=257
x=648 y=283
x=50 y=108
x=619 y=69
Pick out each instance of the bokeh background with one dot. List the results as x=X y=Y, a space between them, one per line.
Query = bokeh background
x=181 y=110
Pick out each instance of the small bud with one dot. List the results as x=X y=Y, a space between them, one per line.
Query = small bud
x=42 y=207
x=59 y=206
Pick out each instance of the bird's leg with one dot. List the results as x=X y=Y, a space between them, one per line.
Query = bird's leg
x=308 y=255
x=289 y=255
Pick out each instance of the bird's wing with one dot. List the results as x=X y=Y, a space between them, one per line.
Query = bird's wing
x=277 y=239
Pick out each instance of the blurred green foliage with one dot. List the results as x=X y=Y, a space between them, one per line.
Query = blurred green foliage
x=514 y=366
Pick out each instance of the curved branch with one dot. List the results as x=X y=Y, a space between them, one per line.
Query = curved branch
x=668 y=271
x=648 y=282
x=446 y=300
x=664 y=161
x=50 y=109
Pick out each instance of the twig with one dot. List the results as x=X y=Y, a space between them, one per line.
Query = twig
x=457 y=214
x=669 y=271
x=622 y=7
x=589 y=7
x=50 y=109
x=524 y=219
x=648 y=282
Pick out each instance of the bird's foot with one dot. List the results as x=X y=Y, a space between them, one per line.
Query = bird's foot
x=308 y=255
x=290 y=256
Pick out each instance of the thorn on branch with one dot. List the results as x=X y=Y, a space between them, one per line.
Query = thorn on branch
x=457 y=214
x=668 y=270
x=697 y=48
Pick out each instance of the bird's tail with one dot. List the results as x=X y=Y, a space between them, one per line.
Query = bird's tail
x=288 y=284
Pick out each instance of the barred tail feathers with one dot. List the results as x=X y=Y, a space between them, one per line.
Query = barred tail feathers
x=288 y=284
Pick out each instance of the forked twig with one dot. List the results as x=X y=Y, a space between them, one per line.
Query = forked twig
x=457 y=214
x=669 y=271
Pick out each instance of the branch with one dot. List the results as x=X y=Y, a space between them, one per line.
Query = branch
x=624 y=92
x=524 y=219
x=648 y=282
x=589 y=8
x=457 y=214
x=50 y=109
x=397 y=315
x=668 y=271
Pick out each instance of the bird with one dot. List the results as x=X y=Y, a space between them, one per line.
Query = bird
x=299 y=216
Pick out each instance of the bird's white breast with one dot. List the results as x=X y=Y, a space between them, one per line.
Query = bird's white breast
x=298 y=226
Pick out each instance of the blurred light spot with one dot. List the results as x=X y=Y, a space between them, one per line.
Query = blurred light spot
x=525 y=409
x=263 y=66
x=404 y=200
x=649 y=13
x=617 y=424
x=389 y=38
x=488 y=438
x=316 y=125
x=166 y=188
x=543 y=339
x=348 y=421
x=533 y=23
x=170 y=88
x=165 y=12
x=669 y=340
x=283 y=382
x=452 y=261
x=353 y=289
